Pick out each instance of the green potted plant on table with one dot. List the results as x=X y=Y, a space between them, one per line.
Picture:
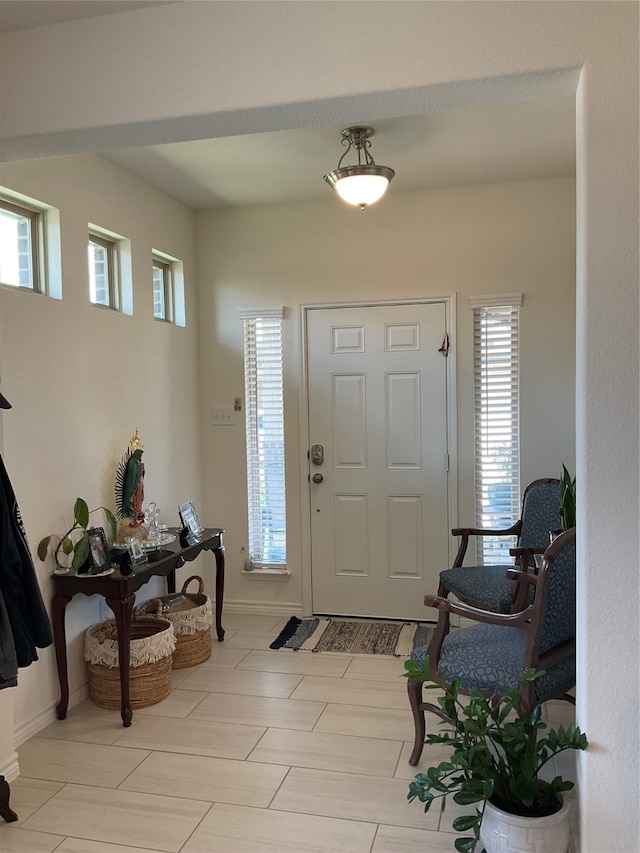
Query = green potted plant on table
x=497 y=754
x=72 y=543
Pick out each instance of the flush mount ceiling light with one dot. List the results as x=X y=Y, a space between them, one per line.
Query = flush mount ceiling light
x=363 y=183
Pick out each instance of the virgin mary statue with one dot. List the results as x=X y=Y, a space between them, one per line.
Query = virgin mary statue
x=130 y=486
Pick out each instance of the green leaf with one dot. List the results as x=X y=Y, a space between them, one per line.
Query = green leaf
x=113 y=524
x=81 y=552
x=43 y=546
x=434 y=775
x=67 y=545
x=465 y=822
x=465 y=798
x=465 y=845
x=81 y=513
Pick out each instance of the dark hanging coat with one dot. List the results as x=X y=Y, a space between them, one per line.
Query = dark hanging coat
x=8 y=660
x=28 y=618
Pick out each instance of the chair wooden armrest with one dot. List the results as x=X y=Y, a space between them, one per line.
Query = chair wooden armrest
x=524 y=556
x=486 y=531
x=466 y=532
x=446 y=607
x=489 y=617
x=518 y=552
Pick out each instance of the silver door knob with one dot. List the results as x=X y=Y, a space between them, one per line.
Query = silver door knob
x=317 y=478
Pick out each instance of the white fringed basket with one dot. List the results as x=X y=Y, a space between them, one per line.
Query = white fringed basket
x=151 y=650
x=191 y=614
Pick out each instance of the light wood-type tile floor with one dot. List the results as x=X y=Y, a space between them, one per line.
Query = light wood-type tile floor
x=254 y=751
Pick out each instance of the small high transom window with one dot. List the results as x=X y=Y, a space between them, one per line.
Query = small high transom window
x=20 y=246
x=103 y=262
x=162 y=290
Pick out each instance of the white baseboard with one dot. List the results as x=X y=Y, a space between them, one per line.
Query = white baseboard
x=262 y=608
x=29 y=728
x=10 y=768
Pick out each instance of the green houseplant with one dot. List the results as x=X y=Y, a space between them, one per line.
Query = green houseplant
x=75 y=541
x=567 y=500
x=497 y=754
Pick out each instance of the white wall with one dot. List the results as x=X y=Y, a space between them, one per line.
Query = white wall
x=467 y=241
x=240 y=67
x=82 y=379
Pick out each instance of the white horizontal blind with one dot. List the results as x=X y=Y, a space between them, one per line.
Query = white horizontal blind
x=497 y=431
x=265 y=440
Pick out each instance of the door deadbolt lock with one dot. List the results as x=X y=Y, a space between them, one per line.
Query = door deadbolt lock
x=317 y=454
x=317 y=478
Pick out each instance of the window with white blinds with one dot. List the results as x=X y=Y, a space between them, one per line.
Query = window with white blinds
x=497 y=430
x=264 y=412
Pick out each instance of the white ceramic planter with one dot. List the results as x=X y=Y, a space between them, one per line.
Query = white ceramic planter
x=502 y=832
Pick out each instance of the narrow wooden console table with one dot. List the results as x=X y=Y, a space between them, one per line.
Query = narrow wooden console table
x=118 y=589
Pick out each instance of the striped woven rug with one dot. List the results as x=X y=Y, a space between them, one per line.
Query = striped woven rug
x=355 y=636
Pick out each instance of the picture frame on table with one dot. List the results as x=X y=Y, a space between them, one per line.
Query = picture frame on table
x=191 y=529
x=137 y=554
x=99 y=557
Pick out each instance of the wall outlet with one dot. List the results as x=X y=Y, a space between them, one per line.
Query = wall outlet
x=222 y=417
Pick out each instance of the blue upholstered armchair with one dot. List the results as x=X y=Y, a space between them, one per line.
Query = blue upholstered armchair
x=492 y=655
x=488 y=587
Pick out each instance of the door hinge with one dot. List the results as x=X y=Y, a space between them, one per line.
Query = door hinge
x=446 y=462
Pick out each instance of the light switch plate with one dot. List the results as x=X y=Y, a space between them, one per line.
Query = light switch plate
x=222 y=417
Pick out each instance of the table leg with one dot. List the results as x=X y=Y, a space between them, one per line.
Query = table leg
x=122 y=608
x=219 y=555
x=171 y=581
x=58 y=607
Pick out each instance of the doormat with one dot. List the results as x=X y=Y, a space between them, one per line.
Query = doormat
x=356 y=637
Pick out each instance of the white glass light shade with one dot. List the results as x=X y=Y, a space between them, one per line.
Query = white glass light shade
x=361 y=190
x=360 y=185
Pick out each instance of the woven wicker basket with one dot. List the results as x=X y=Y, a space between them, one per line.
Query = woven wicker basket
x=152 y=643
x=191 y=614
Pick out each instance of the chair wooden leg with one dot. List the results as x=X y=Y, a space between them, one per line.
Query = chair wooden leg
x=414 y=689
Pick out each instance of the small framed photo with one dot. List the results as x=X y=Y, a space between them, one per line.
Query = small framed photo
x=137 y=554
x=99 y=560
x=190 y=522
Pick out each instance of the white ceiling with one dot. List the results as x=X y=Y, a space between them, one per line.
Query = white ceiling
x=29 y=14
x=486 y=145
x=495 y=144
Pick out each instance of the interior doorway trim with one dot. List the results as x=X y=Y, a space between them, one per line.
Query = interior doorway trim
x=449 y=301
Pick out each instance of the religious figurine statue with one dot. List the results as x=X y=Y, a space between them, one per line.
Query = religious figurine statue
x=130 y=487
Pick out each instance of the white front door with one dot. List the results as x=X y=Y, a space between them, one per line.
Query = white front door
x=377 y=388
